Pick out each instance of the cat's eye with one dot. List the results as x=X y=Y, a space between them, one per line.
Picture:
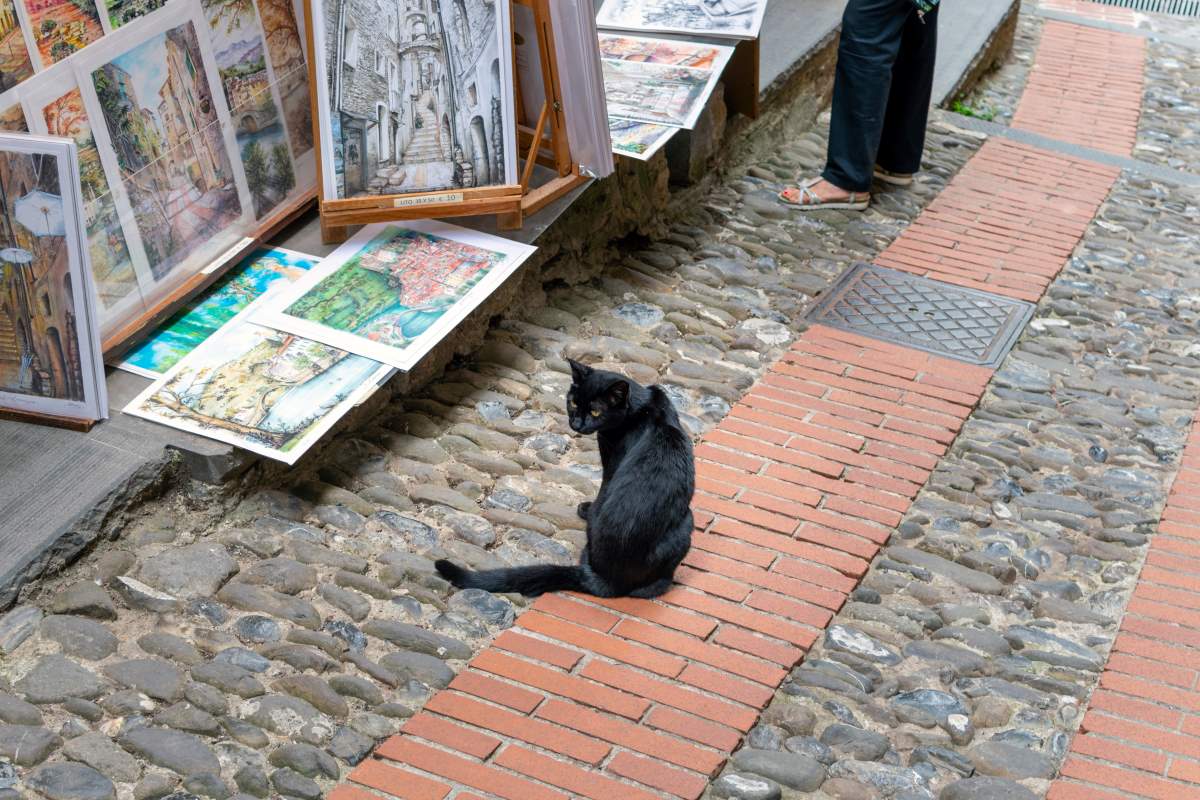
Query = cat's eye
x=596 y=412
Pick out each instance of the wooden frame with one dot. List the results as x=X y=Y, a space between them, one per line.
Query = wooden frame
x=509 y=202
x=125 y=336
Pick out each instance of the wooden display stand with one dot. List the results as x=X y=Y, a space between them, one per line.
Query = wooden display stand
x=510 y=202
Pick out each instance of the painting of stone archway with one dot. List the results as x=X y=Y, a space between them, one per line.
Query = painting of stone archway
x=412 y=99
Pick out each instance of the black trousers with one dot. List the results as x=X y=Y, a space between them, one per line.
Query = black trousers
x=881 y=91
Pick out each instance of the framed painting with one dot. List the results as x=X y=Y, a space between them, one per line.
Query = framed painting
x=413 y=96
x=50 y=361
x=737 y=19
x=260 y=389
x=200 y=319
x=394 y=291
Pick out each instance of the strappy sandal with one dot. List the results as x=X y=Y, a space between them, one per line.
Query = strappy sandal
x=803 y=198
x=894 y=178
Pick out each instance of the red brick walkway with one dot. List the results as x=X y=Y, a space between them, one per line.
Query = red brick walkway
x=798 y=488
x=1141 y=734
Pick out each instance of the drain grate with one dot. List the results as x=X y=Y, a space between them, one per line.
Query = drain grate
x=1179 y=8
x=928 y=315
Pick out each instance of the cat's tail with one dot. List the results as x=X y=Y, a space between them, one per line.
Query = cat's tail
x=530 y=581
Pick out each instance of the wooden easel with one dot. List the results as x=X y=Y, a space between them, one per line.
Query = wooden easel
x=510 y=202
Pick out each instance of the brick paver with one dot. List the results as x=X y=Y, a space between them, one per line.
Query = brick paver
x=1085 y=87
x=1140 y=736
x=797 y=489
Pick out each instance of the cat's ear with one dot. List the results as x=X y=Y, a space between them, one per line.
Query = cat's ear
x=579 y=371
x=618 y=394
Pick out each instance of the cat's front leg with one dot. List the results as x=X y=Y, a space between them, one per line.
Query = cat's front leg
x=583 y=509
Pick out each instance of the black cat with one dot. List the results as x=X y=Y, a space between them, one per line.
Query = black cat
x=639 y=527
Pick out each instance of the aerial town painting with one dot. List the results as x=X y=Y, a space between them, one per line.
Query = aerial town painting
x=663 y=51
x=39 y=344
x=739 y=19
x=15 y=65
x=112 y=267
x=263 y=390
x=162 y=123
x=191 y=326
x=416 y=95
x=61 y=27
x=241 y=61
x=390 y=291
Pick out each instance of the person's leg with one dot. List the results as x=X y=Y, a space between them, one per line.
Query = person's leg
x=907 y=114
x=870 y=41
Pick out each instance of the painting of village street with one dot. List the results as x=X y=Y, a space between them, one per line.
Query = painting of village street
x=111 y=265
x=286 y=51
x=269 y=392
x=241 y=61
x=734 y=18
x=15 y=65
x=39 y=346
x=159 y=113
x=654 y=93
x=62 y=27
x=415 y=92
x=242 y=285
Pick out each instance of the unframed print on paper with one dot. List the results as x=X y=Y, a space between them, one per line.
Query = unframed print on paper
x=671 y=52
x=640 y=140
x=414 y=95
x=738 y=19
x=394 y=291
x=264 y=390
x=649 y=92
x=243 y=284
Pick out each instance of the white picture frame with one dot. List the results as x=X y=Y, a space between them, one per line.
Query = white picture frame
x=734 y=19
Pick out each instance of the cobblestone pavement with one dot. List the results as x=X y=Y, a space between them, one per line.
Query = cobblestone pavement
x=264 y=649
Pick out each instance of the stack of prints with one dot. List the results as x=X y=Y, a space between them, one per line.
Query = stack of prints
x=192 y=123
x=50 y=362
x=319 y=338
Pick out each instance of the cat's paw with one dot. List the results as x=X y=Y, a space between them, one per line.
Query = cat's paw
x=450 y=571
x=583 y=509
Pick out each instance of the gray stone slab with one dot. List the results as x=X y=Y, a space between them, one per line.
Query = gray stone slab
x=791 y=30
x=965 y=27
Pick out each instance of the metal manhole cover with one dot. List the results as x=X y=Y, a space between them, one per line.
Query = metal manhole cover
x=939 y=318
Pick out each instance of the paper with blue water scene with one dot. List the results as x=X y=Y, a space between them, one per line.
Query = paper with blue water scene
x=263 y=390
x=245 y=283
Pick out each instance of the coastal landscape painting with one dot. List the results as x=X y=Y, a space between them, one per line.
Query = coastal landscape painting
x=241 y=286
x=162 y=123
x=241 y=62
x=266 y=391
x=392 y=292
x=639 y=140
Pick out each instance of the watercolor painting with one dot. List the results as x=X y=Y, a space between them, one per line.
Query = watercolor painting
x=672 y=52
x=241 y=62
x=655 y=93
x=123 y=11
x=392 y=292
x=184 y=332
x=12 y=119
x=62 y=27
x=260 y=389
x=112 y=266
x=15 y=65
x=416 y=95
x=639 y=140
x=740 y=19
x=286 y=51
x=163 y=126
